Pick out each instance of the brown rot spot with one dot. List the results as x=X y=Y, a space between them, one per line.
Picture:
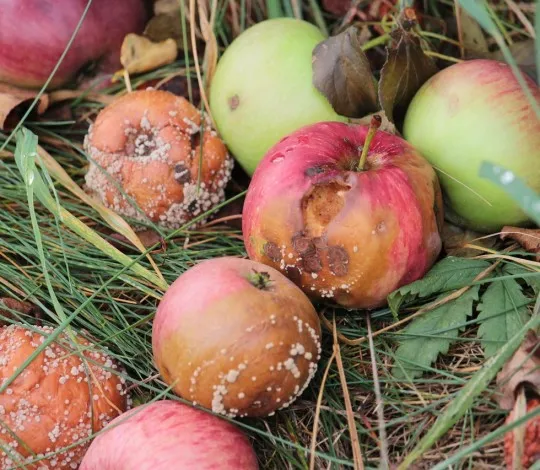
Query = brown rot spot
x=195 y=139
x=234 y=102
x=320 y=243
x=272 y=251
x=293 y=273
x=181 y=173
x=381 y=226
x=314 y=170
x=312 y=263
x=338 y=260
x=302 y=245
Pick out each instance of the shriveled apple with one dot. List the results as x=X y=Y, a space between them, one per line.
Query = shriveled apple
x=343 y=227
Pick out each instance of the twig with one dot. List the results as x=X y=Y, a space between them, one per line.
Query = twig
x=318 y=412
x=355 y=442
x=385 y=461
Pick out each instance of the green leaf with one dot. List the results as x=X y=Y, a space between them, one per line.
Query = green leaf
x=502 y=313
x=531 y=278
x=451 y=273
x=465 y=397
x=432 y=334
x=406 y=69
x=528 y=199
x=342 y=73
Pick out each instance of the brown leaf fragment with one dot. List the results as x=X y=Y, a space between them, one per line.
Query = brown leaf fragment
x=167 y=26
x=523 y=369
x=342 y=73
x=166 y=6
x=14 y=102
x=524 y=55
x=527 y=238
x=471 y=34
x=148 y=238
x=140 y=54
x=8 y=305
x=406 y=69
x=455 y=240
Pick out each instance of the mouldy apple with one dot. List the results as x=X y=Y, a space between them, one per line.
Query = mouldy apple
x=339 y=228
x=471 y=112
x=167 y=435
x=236 y=337
x=262 y=88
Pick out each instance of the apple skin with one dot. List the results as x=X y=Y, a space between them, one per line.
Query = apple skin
x=339 y=233
x=471 y=112
x=34 y=34
x=229 y=346
x=262 y=89
x=165 y=435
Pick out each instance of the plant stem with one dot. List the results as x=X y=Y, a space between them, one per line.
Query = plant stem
x=373 y=126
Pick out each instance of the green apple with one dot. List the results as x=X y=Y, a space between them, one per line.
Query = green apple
x=471 y=112
x=262 y=89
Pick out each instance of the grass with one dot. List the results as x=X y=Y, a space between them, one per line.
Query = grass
x=77 y=285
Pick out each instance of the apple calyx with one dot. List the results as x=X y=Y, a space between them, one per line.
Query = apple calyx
x=373 y=126
x=260 y=279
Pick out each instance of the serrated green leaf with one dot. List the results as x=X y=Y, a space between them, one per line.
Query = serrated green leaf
x=502 y=313
x=432 y=334
x=449 y=274
x=531 y=278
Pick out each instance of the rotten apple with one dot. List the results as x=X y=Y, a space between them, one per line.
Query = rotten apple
x=343 y=217
x=237 y=337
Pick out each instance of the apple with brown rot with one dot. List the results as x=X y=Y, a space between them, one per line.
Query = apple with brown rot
x=236 y=337
x=348 y=212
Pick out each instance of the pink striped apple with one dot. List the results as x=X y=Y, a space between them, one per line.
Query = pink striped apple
x=340 y=224
x=165 y=435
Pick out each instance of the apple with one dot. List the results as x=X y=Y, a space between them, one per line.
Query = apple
x=262 y=89
x=472 y=112
x=345 y=218
x=166 y=435
x=237 y=337
x=35 y=33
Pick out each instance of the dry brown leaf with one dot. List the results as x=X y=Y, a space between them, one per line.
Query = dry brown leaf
x=526 y=237
x=7 y=305
x=522 y=369
x=386 y=125
x=15 y=101
x=147 y=237
x=166 y=7
x=140 y=54
x=455 y=239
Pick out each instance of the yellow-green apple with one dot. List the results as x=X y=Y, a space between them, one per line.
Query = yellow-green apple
x=343 y=218
x=237 y=337
x=262 y=88
x=167 y=435
x=472 y=112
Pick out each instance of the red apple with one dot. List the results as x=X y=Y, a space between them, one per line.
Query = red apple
x=34 y=34
x=237 y=337
x=339 y=231
x=167 y=435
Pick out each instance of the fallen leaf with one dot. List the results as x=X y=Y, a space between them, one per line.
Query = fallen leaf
x=456 y=238
x=527 y=238
x=405 y=70
x=167 y=26
x=166 y=7
x=139 y=54
x=472 y=35
x=8 y=305
x=148 y=238
x=523 y=53
x=522 y=369
x=14 y=102
x=342 y=73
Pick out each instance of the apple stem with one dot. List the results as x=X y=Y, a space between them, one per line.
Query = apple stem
x=373 y=126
